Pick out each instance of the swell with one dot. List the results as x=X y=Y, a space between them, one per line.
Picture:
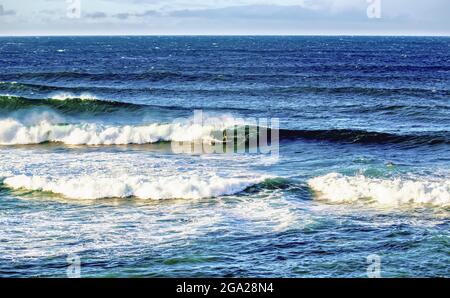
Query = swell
x=67 y=105
x=286 y=90
x=394 y=108
x=369 y=91
x=36 y=87
x=15 y=131
x=253 y=71
x=70 y=103
x=86 y=76
x=366 y=137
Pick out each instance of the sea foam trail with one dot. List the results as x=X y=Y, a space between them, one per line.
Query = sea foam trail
x=45 y=128
x=336 y=187
x=86 y=187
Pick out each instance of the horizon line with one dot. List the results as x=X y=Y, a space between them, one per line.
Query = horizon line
x=225 y=35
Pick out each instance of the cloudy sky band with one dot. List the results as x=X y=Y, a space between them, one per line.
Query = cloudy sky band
x=224 y=17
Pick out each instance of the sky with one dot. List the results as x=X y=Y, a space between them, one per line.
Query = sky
x=225 y=17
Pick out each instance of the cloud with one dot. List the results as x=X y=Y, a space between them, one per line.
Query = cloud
x=267 y=13
x=122 y=16
x=147 y=13
x=95 y=15
x=4 y=12
x=404 y=17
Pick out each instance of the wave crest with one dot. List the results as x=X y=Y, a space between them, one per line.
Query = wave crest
x=192 y=187
x=17 y=132
x=67 y=103
x=336 y=187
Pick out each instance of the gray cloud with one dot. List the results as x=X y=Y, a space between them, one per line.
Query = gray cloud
x=49 y=11
x=250 y=11
x=278 y=17
x=122 y=16
x=269 y=13
x=126 y=15
x=4 y=12
x=95 y=15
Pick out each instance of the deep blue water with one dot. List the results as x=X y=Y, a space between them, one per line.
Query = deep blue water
x=87 y=167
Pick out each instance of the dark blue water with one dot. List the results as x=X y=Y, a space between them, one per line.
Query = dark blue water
x=87 y=127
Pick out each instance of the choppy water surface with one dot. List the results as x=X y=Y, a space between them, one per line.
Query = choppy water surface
x=87 y=166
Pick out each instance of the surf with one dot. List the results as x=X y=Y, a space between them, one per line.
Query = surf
x=13 y=131
x=157 y=188
x=396 y=191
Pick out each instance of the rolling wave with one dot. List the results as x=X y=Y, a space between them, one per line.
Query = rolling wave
x=370 y=91
x=14 y=131
x=90 y=187
x=333 y=187
x=35 y=127
x=40 y=87
x=365 y=137
x=68 y=104
x=153 y=76
x=338 y=188
x=45 y=128
x=246 y=72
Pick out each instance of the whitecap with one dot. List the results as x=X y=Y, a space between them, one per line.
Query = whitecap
x=38 y=127
x=336 y=187
x=92 y=187
x=68 y=95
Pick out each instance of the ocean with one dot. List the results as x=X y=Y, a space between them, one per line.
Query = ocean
x=91 y=184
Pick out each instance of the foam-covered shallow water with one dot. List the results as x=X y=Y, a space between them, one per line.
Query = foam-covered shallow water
x=88 y=165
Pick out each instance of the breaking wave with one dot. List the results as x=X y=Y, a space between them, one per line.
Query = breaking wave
x=339 y=188
x=47 y=127
x=13 y=131
x=86 y=187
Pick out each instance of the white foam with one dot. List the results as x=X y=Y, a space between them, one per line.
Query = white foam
x=45 y=128
x=91 y=187
x=396 y=191
x=68 y=95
